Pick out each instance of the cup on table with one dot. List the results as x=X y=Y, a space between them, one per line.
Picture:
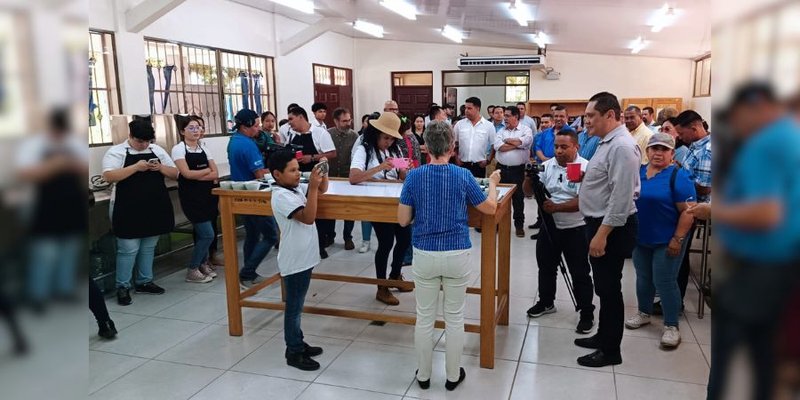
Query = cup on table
x=252 y=185
x=239 y=185
x=226 y=185
x=574 y=172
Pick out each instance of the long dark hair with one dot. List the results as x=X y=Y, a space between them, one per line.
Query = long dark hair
x=370 y=143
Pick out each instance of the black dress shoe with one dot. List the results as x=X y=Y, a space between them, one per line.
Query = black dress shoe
x=422 y=384
x=599 y=359
x=588 y=343
x=311 y=351
x=585 y=325
x=537 y=225
x=535 y=236
x=107 y=329
x=453 y=385
x=124 y=296
x=323 y=254
x=150 y=288
x=301 y=362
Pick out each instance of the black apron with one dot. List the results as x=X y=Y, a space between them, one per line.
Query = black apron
x=198 y=204
x=142 y=207
x=60 y=205
x=309 y=149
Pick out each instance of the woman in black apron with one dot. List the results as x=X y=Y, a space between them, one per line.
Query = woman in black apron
x=197 y=175
x=141 y=209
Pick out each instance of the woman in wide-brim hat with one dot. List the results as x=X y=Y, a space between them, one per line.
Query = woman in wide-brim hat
x=372 y=162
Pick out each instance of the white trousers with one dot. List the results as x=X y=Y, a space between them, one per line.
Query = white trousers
x=450 y=271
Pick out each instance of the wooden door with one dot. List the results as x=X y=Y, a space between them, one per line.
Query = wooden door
x=413 y=100
x=333 y=86
x=664 y=102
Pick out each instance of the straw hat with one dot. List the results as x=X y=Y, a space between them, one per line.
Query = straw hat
x=388 y=123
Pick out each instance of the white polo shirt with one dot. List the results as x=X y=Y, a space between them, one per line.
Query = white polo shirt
x=322 y=139
x=299 y=249
x=360 y=158
x=562 y=190
x=115 y=159
x=518 y=156
x=474 y=140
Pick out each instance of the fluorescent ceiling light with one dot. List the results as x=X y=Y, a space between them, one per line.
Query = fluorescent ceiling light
x=306 y=6
x=452 y=33
x=368 y=28
x=637 y=45
x=408 y=11
x=665 y=16
x=520 y=12
x=541 y=39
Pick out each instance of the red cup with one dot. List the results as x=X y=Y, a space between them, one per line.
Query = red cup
x=298 y=155
x=574 y=172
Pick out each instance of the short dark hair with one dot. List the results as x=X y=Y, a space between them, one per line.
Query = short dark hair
x=569 y=132
x=279 y=160
x=672 y=120
x=435 y=110
x=752 y=93
x=283 y=122
x=299 y=111
x=318 y=106
x=688 y=117
x=491 y=106
x=266 y=114
x=605 y=101
x=513 y=110
x=448 y=105
x=500 y=107
x=142 y=129
x=339 y=111
x=635 y=109
x=547 y=115
x=291 y=106
x=649 y=109
x=559 y=107
x=554 y=105
x=521 y=103
x=198 y=119
x=474 y=101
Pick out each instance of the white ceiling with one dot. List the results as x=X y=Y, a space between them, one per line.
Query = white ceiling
x=587 y=26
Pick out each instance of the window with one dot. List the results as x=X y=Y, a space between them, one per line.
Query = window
x=702 y=77
x=516 y=89
x=209 y=82
x=412 y=78
x=103 y=87
x=322 y=75
x=340 y=77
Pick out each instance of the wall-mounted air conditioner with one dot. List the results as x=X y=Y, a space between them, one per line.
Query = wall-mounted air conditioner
x=501 y=63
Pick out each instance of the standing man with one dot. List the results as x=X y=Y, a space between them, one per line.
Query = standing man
x=316 y=143
x=391 y=106
x=606 y=200
x=246 y=164
x=641 y=134
x=474 y=136
x=283 y=130
x=546 y=121
x=649 y=118
x=524 y=119
x=344 y=137
x=545 y=144
x=588 y=144
x=567 y=235
x=512 y=146
x=490 y=110
x=450 y=110
x=498 y=117
x=320 y=111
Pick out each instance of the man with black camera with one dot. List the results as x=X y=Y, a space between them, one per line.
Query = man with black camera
x=563 y=231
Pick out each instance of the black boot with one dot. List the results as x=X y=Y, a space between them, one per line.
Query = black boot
x=301 y=361
x=107 y=329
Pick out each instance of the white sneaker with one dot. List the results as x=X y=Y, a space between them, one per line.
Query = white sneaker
x=197 y=276
x=671 y=337
x=208 y=270
x=637 y=321
x=364 y=247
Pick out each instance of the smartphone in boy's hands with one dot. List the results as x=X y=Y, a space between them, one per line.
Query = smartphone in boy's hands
x=323 y=167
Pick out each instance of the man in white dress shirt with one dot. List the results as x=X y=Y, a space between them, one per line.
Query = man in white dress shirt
x=512 y=146
x=474 y=137
x=320 y=111
x=526 y=120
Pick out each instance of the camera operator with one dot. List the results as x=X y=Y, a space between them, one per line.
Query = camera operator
x=567 y=235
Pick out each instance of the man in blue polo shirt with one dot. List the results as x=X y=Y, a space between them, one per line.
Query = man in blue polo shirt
x=545 y=143
x=246 y=164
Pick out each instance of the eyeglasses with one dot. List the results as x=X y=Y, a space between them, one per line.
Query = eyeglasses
x=194 y=128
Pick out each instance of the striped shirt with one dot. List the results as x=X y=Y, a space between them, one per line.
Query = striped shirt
x=698 y=163
x=439 y=195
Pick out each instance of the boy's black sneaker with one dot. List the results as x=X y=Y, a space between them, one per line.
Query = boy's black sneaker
x=150 y=288
x=301 y=361
x=124 y=296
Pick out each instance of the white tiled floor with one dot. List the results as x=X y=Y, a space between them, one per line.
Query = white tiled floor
x=176 y=346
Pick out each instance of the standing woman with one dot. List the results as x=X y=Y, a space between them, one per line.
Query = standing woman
x=667 y=192
x=442 y=246
x=409 y=144
x=141 y=209
x=213 y=260
x=418 y=128
x=372 y=162
x=197 y=175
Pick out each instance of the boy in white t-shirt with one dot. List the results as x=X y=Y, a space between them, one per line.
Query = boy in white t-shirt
x=295 y=208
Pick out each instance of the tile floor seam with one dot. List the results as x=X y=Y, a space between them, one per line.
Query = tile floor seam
x=519 y=359
x=333 y=361
x=662 y=379
x=208 y=326
x=123 y=375
x=351 y=388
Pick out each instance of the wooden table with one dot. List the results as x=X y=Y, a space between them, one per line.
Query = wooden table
x=375 y=202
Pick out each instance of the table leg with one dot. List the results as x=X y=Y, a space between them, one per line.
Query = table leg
x=504 y=266
x=488 y=293
x=235 y=327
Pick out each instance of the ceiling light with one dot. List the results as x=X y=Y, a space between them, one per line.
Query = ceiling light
x=520 y=12
x=637 y=45
x=306 y=6
x=452 y=33
x=368 y=28
x=408 y=11
x=665 y=16
x=541 y=39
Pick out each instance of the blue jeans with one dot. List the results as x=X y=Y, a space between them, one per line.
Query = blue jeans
x=260 y=237
x=296 y=287
x=366 y=231
x=655 y=270
x=139 y=252
x=53 y=265
x=204 y=235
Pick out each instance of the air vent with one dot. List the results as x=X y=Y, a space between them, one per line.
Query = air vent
x=501 y=63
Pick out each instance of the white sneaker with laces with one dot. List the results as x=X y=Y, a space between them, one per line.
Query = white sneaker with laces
x=364 y=247
x=671 y=337
x=196 y=276
x=208 y=270
x=637 y=321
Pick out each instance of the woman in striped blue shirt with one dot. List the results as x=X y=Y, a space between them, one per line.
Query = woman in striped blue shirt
x=434 y=199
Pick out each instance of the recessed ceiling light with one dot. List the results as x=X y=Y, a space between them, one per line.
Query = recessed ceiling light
x=408 y=11
x=541 y=39
x=637 y=45
x=520 y=12
x=306 y=6
x=368 y=28
x=665 y=16
x=452 y=33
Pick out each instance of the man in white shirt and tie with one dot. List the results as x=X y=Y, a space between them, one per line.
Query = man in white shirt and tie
x=512 y=146
x=474 y=137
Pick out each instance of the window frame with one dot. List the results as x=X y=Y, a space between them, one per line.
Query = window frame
x=485 y=82
x=697 y=84
x=117 y=98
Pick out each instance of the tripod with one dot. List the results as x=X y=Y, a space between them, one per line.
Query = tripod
x=541 y=194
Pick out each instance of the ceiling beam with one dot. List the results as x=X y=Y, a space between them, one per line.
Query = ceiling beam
x=308 y=34
x=147 y=12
